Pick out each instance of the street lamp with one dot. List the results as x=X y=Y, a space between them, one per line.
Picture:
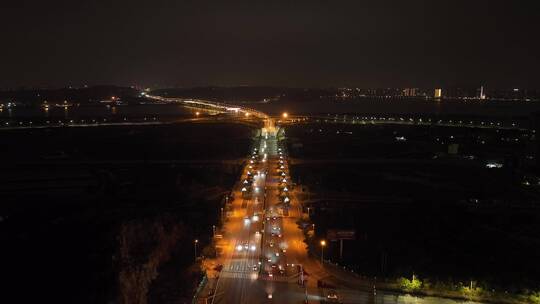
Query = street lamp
x=323 y=243
x=195 y=246
x=285 y=115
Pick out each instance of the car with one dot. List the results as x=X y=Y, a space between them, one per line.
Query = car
x=332 y=296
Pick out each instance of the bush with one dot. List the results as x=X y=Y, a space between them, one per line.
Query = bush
x=410 y=285
x=535 y=297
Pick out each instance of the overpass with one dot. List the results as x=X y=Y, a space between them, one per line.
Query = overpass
x=269 y=124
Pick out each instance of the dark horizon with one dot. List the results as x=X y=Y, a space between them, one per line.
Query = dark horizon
x=311 y=44
x=262 y=86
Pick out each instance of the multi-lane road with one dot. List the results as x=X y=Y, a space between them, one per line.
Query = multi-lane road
x=256 y=263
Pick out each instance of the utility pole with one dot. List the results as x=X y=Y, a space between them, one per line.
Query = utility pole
x=341 y=249
x=195 y=246
x=303 y=284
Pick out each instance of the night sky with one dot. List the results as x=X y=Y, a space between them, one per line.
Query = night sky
x=282 y=43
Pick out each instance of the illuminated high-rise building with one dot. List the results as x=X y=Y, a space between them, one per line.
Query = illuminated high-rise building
x=438 y=93
x=481 y=93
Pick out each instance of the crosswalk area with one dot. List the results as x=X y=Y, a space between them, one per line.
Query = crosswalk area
x=237 y=267
x=255 y=276
x=238 y=275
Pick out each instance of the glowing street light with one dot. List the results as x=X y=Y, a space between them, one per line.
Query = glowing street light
x=323 y=244
x=285 y=115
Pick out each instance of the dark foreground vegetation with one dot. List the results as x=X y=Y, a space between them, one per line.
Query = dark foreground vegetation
x=101 y=215
x=421 y=209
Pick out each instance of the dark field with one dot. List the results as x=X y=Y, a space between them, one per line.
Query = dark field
x=92 y=215
x=418 y=209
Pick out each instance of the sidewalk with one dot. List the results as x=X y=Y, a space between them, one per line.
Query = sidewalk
x=206 y=292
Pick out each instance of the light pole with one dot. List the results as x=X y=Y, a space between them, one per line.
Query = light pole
x=303 y=282
x=221 y=213
x=195 y=246
x=323 y=243
x=214 y=230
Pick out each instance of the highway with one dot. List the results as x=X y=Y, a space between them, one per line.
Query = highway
x=219 y=107
x=254 y=249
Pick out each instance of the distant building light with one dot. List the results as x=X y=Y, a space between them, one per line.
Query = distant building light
x=494 y=165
